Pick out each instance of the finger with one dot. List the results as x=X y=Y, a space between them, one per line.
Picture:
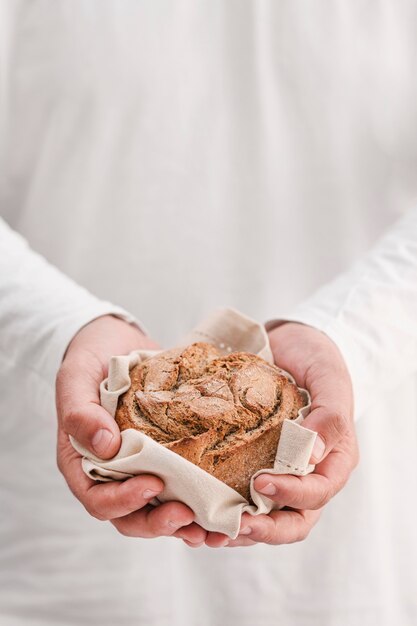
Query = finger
x=330 y=386
x=220 y=540
x=93 y=428
x=216 y=540
x=280 y=527
x=193 y=545
x=69 y=464
x=241 y=542
x=193 y=534
x=159 y=521
x=314 y=490
x=105 y=500
x=244 y=531
x=79 y=410
x=331 y=425
x=117 y=499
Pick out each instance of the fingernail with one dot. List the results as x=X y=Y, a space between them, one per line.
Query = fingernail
x=268 y=490
x=246 y=531
x=224 y=543
x=150 y=493
x=173 y=524
x=102 y=440
x=318 y=448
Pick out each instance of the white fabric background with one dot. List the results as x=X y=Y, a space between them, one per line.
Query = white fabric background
x=277 y=141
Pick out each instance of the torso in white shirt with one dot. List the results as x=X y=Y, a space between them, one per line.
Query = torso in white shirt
x=218 y=154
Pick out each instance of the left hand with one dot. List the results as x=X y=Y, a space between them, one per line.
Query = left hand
x=126 y=504
x=317 y=365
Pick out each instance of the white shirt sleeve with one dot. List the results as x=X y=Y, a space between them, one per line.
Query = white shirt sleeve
x=41 y=309
x=370 y=312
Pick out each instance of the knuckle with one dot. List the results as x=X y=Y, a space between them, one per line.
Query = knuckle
x=302 y=527
x=122 y=529
x=266 y=534
x=303 y=533
x=335 y=426
x=340 y=423
x=153 y=532
x=159 y=520
x=297 y=499
x=100 y=517
x=130 y=503
x=324 y=497
x=153 y=524
x=159 y=528
x=94 y=510
x=71 y=421
x=97 y=514
x=131 y=499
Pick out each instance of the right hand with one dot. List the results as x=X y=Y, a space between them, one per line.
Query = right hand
x=125 y=504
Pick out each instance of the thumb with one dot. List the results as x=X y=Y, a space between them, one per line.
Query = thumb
x=80 y=413
x=94 y=429
x=330 y=425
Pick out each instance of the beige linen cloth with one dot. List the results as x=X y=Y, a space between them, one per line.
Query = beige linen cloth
x=217 y=506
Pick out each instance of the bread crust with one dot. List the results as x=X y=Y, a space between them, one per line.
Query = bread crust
x=222 y=413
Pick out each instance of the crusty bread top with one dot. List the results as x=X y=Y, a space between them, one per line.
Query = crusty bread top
x=196 y=396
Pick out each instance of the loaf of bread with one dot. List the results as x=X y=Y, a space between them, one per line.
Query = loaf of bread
x=223 y=413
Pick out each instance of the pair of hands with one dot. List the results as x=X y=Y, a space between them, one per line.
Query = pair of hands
x=316 y=364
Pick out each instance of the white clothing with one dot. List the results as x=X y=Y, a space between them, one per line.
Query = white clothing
x=237 y=154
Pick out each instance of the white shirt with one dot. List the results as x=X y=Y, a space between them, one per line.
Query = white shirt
x=221 y=155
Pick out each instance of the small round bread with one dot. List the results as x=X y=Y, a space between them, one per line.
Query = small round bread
x=223 y=413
